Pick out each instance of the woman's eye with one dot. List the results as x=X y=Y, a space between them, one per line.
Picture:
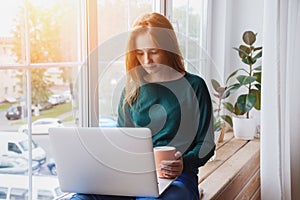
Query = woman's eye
x=139 y=53
x=154 y=52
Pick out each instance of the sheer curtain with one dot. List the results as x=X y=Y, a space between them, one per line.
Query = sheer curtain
x=280 y=127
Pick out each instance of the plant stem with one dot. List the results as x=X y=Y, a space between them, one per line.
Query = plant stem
x=219 y=106
x=250 y=73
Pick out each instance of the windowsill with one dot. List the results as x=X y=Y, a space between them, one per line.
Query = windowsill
x=235 y=171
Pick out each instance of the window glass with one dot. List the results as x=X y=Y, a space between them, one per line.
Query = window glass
x=3 y=192
x=42 y=48
x=190 y=20
x=112 y=41
x=44 y=195
x=13 y=148
x=8 y=13
x=25 y=146
x=18 y=194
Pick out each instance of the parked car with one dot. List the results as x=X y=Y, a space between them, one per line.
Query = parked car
x=56 y=99
x=42 y=125
x=16 y=187
x=17 y=165
x=15 y=112
x=67 y=95
x=14 y=143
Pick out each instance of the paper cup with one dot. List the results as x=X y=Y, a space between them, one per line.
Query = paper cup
x=163 y=153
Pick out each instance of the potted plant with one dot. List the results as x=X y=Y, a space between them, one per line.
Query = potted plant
x=220 y=118
x=248 y=83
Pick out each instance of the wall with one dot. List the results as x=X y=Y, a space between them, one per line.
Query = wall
x=279 y=22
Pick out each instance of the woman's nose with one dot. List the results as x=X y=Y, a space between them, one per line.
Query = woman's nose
x=147 y=58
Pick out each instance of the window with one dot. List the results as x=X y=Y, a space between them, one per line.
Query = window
x=13 y=148
x=183 y=14
x=43 y=51
x=190 y=20
x=3 y=192
x=45 y=48
x=111 y=35
x=44 y=195
x=18 y=194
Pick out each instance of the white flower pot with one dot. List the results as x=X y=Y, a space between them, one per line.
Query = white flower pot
x=244 y=128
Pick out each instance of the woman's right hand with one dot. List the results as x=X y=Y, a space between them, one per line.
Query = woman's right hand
x=172 y=168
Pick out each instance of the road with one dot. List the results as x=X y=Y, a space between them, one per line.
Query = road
x=5 y=125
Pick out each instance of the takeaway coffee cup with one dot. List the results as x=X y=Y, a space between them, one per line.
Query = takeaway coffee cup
x=163 y=153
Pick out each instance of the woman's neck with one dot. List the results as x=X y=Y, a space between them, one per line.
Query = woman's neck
x=163 y=77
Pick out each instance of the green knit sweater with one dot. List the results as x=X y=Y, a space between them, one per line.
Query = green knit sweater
x=179 y=113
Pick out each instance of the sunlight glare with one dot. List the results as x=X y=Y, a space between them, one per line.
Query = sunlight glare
x=8 y=12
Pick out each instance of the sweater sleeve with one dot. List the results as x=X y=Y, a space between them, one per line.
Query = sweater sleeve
x=203 y=145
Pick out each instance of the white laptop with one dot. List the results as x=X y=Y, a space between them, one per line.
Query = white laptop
x=108 y=161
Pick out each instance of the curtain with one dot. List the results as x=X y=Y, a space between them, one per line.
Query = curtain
x=280 y=115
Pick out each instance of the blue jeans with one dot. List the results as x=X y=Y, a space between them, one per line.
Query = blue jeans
x=185 y=187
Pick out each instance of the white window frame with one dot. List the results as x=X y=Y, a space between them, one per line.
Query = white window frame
x=27 y=66
x=88 y=107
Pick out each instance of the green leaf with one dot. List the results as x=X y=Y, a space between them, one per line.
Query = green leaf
x=227 y=119
x=237 y=111
x=249 y=37
x=246 y=61
x=231 y=89
x=233 y=73
x=258 y=76
x=225 y=94
x=258 y=55
x=257 y=48
x=257 y=68
x=258 y=86
x=257 y=93
x=253 y=60
x=215 y=84
x=245 y=80
x=217 y=124
x=228 y=106
x=246 y=102
x=243 y=51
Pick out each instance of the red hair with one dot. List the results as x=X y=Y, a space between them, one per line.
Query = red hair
x=162 y=33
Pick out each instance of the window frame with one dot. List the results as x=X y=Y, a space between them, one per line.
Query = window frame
x=27 y=66
x=88 y=107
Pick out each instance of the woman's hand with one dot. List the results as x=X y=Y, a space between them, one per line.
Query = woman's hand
x=172 y=168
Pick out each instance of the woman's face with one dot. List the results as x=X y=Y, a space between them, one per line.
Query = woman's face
x=152 y=59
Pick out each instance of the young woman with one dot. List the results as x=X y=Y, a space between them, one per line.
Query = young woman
x=175 y=104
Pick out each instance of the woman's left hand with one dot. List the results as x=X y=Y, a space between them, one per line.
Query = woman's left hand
x=172 y=168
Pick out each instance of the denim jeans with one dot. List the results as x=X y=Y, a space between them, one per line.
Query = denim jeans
x=185 y=187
